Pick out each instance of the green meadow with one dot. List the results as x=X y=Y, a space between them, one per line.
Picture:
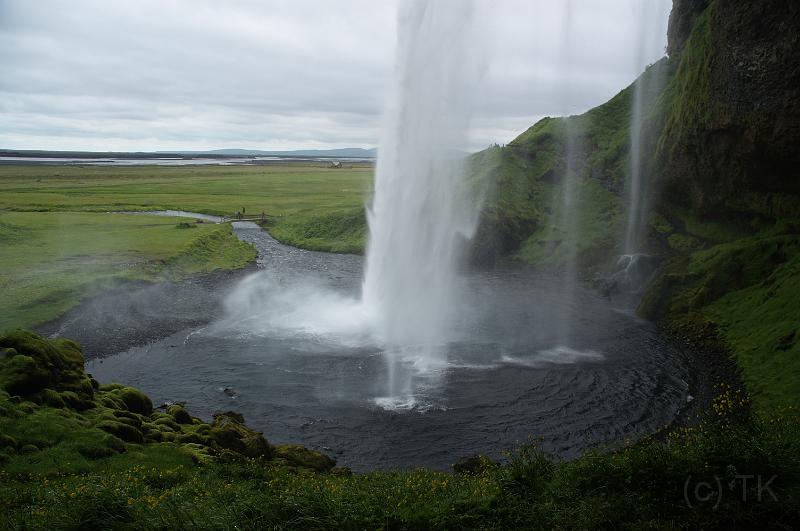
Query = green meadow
x=60 y=241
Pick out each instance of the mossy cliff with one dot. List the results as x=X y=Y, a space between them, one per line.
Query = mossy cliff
x=721 y=163
x=728 y=177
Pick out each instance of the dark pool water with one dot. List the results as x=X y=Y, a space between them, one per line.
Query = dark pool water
x=291 y=354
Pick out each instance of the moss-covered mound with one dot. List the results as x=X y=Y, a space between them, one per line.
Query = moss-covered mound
x=51 y=408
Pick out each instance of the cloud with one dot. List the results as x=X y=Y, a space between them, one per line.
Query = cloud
x=197 y=74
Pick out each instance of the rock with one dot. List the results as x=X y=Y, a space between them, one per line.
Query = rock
x=123 y=431
x=180 y=415
x=304 y=458
x=135 y=401
x=681 y=20
x=230 y=392
x=229 y=432
x=21 y=375
x=167 y=422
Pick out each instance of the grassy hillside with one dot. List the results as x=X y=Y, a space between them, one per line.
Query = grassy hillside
x=76 y=454
x=526 y=216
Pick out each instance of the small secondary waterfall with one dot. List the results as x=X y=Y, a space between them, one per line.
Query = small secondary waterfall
x=650 y=37
x=423 y=210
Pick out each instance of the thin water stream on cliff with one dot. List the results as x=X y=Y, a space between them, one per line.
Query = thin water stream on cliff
x=275 y=357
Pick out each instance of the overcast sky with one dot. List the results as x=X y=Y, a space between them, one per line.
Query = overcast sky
x=267 y=74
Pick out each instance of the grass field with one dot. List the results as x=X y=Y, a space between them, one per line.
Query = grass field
x=59 y=242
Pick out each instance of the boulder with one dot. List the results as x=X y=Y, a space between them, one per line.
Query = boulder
x=229 y=432
x=302 y=457
x=135 y=400
x=180 y=415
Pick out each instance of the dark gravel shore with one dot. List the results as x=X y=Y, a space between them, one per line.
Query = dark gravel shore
x=139 y=313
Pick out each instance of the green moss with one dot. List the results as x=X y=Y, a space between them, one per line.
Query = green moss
x=748 y=290
x=135 y=401
x=761 y=323
x=124 y=431
x=683 y=243
x=303 y=457
x=180 y=414
x=597 y=224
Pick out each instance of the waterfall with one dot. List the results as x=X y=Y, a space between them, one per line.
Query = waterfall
x=423 y=210
x=566 y=204
x=649 y=39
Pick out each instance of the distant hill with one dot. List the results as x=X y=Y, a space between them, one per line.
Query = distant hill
x=334 y=153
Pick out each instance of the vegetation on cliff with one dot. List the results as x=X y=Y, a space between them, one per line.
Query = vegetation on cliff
x=77 y=454
x=729 y=208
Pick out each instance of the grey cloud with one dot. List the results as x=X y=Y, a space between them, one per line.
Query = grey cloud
x=196 y=74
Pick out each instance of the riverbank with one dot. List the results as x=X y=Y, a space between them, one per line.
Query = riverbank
x=133 y=314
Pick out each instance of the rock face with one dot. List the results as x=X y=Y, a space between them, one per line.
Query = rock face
x=681 y=21
x=732 y=134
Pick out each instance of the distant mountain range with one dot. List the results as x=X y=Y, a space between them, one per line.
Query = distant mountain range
x=299 y=153
x=335 y=153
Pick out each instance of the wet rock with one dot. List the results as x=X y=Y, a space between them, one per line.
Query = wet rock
x=230 y=392
x=631 y=274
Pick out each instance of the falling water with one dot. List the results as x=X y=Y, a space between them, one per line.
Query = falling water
x=566 y=205
x=423 y=210
x=649 y=44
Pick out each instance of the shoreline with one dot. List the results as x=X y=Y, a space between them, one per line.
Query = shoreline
x=143 y=312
